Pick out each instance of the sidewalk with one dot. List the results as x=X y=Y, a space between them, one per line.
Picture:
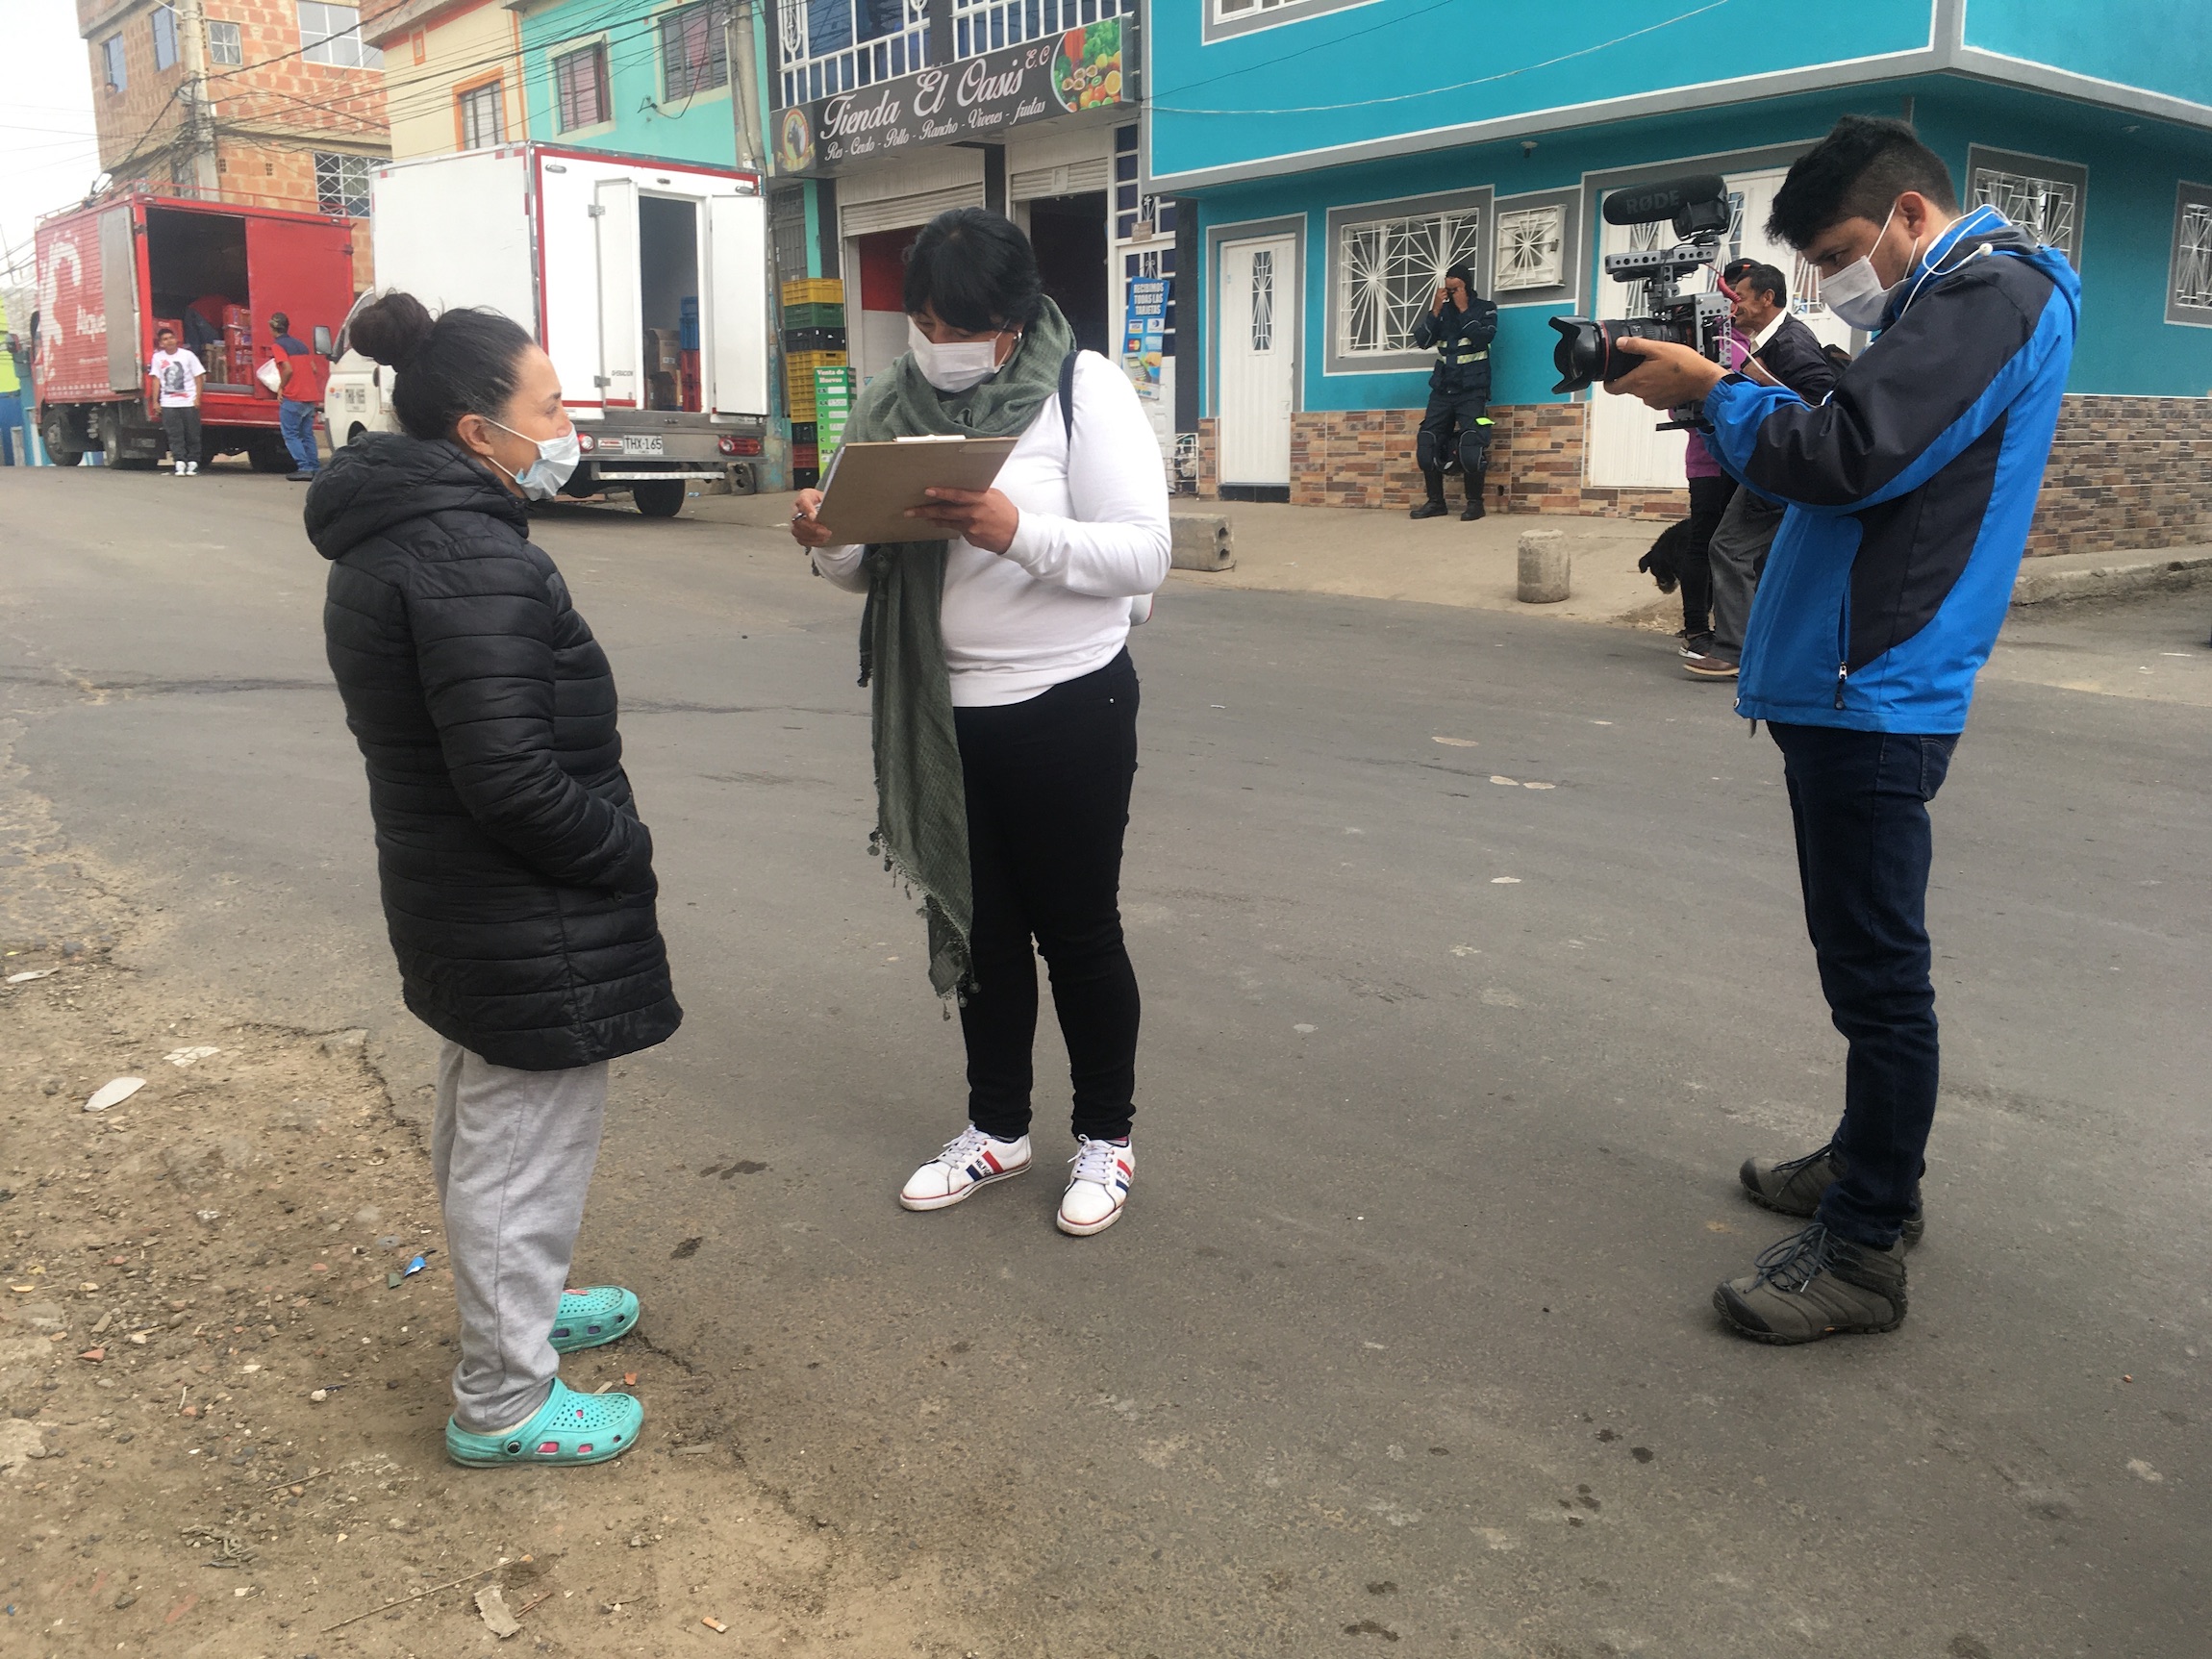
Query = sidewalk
x=1385 y=555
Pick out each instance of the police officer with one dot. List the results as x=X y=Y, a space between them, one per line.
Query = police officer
x=1460 y=324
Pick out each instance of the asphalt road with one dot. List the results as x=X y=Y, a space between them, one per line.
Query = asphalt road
x=1405 y=1343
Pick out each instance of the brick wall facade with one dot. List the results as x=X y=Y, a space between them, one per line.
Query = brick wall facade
x=2127 y=472
x=271 y=113
x=2124 y=472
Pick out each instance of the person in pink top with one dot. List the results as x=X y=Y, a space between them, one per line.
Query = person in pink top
x=1711 y=489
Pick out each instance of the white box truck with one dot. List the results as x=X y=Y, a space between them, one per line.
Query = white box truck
x=645 y=281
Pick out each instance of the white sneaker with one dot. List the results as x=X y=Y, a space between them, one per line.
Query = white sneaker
x=1098 y=1190
x=192 y=469
x=970 y=1159
x=180 y=467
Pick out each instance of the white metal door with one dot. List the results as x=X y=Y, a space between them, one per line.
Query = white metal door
x=1259 y=332
x=1624 y=451
x=621 y=308
x=736 y=319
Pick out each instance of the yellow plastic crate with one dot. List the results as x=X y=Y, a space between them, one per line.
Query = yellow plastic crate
x=814 y=290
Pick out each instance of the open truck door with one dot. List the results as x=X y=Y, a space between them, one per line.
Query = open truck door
x=621 y=307
x=738 y=346
x=304 y=271
x=120 y=283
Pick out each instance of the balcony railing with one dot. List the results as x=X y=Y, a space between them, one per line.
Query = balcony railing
x=830 y=47
x=986 y=25
x=825 y=47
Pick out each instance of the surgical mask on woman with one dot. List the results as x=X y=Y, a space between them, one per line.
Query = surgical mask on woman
x=1855 y=293
x=956 y=366
x=557 y=459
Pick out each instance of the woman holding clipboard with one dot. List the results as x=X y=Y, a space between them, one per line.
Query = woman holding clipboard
x=1004 y=700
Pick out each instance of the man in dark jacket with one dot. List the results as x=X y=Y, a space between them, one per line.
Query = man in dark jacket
x=1909 y=494
x=1460 y=324
x=1791 y=354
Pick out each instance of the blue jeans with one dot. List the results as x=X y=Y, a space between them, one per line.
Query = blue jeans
x=298 y=422
x=1859 y=803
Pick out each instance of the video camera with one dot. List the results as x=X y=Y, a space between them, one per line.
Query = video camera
x=1588 y=350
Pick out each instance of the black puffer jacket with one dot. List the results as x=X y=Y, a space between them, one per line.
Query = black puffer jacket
x=517 y=880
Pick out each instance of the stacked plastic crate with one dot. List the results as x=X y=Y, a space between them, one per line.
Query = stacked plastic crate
x=813 y=340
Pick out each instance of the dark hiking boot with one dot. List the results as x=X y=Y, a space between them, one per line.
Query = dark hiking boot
x=1816 y=1284
x=1474 y=489
x=1793 y=1186
x=1429 y=510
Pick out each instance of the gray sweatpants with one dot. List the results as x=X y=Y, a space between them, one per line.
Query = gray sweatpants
x=512 y=1153
x=1738 y=556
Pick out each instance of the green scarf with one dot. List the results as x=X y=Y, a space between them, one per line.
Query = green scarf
x=921 y=803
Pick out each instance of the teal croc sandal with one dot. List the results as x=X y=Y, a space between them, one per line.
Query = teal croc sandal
x=569 y=1428
x=588 y=1318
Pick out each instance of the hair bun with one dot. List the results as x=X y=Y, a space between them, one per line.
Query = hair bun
x=391 y=329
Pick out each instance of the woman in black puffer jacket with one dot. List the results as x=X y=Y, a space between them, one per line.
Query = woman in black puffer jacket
x=517 y=879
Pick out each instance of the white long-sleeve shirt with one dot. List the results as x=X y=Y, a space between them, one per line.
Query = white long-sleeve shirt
x=1092 y=536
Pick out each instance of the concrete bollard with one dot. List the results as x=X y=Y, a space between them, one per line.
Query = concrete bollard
x=1201 y=541
x=1546 y=566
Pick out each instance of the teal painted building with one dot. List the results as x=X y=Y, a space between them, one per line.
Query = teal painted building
x=1339 y=153
x=645 y=80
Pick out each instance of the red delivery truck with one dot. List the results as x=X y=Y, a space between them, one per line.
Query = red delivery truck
x=110 y=273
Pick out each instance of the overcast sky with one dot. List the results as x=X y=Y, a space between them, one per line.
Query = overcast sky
x=47 y=154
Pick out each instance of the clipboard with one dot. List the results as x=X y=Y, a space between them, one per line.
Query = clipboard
x=871 y=486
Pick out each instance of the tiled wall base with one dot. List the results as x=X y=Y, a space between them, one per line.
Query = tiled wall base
x=2124 y=472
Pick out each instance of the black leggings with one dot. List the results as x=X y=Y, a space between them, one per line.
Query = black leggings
x=1048 y=802
x=1709 y=498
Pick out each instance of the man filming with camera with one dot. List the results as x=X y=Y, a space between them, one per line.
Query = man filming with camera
x=1736 y=553
x=1907 y=500
x=1460 y=324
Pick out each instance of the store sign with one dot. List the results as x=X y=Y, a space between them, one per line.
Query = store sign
x=1144 y=340
x=978 y=98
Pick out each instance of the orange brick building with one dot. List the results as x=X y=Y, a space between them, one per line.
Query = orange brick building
x=276 y=103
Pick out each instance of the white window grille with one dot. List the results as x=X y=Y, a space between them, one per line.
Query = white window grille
x=332 y=34
x=1226 y=10
x=165 y=37
x=1390 y=271
x=2193 y=257
x=224 y=45
x=831 y=46
x=341 y=184
x=2048 y=208
x=1531 y=248
x=1264 y=299
x=986 y=25
x=483 y=118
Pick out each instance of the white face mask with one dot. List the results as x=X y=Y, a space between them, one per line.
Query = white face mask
x=557 y=459
x=1855 y=293
x=953 y=368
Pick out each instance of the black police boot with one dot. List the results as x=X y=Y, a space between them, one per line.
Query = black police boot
x=1475 y=486
x=1433 y=507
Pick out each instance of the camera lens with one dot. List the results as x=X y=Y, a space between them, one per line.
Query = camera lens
x=1580 y=354
x=1590 y=351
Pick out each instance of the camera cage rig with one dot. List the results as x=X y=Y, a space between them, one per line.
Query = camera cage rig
x=1698 y=210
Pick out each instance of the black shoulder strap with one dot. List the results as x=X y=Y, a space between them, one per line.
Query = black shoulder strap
x=1068 y=394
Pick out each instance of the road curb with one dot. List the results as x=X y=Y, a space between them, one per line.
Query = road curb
x=2072 y=577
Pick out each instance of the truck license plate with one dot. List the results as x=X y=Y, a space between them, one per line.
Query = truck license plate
x=643 y=446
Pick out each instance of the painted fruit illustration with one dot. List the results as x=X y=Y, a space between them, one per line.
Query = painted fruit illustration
x=1087 y=67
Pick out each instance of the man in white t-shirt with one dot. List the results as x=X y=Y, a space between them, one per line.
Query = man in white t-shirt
x=178 y=377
